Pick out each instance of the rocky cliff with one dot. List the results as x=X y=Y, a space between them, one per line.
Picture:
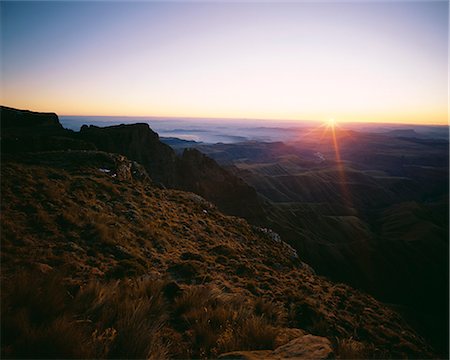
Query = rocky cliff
x=137 y=142
x=14 y=120
x=23 y=131
x=193 y=171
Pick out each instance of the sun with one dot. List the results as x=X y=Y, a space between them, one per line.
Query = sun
x=331 y=123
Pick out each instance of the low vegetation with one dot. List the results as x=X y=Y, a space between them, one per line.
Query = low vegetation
x=97 y=266
x=131 y=318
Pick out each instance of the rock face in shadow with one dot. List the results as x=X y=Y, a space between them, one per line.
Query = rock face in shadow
x=202 y=175
x=138 y=142
x=14 y=120
x=193 y=171
x=23 y=130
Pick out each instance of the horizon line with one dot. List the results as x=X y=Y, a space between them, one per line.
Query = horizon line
x=287 y=120
x=178 y=117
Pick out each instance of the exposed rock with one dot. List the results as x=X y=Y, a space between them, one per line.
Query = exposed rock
x=249 y=355
x=306 y=347
x=137 y=142
x=202 y=175
x=43 y=268
x=23 y=131
x=303 y=348
x=24 y=120
x=287 y=334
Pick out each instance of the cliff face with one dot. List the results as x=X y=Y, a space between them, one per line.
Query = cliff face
x=137 y=142
x=23 y=131
x=193 y=171
x=14 y=120
x=202 y=175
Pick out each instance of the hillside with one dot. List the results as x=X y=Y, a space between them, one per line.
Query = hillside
x=24 y=131
x=96 y=248
x=192 y=171
x=93 y=218
x=377 y=219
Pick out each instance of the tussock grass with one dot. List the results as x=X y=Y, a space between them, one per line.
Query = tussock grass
x=129 y=318
x=219 y=323
x=70 y=218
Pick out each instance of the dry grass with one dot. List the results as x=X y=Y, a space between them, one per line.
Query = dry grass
x=218 y=323
x=97 y=232
x=351 y=349
x=133 y=319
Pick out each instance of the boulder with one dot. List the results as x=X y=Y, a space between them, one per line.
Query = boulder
x=302 y=348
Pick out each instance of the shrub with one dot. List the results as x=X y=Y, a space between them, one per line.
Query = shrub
x=274 y=312
x=119 y=319
x=351 y=349
x=130 y=318
x=62 y=338
x=126 y=268
x=35 y=323
x=218 y=323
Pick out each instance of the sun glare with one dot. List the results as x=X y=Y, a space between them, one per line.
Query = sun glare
x=331 y=123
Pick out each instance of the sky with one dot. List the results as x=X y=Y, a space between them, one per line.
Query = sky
x=363 y=61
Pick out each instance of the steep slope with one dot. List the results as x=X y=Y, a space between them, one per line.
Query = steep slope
x=192 y=171
x=202 y=175
x=24 y=131
x=377 y=219
x=199 y=276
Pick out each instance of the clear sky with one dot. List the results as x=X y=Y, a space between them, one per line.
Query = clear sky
x=352 y=61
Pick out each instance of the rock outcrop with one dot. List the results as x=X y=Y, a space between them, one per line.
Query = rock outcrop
x=193 y=171
x=14 y=120
x=202 y=175
x=307 y=347
x=23 y=131
x=139 y=143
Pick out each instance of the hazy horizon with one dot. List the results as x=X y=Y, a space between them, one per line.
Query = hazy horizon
x=237 y=130
x=354 y=62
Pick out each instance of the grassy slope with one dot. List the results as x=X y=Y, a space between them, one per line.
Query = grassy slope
x=193 y=282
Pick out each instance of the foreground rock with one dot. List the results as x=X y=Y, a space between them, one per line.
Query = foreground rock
x=302 y=348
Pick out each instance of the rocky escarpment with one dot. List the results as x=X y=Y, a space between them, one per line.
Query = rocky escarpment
x=193 y=171
x=202 y=175
x=23 y=130
x=137 y=142
x=27 y=121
